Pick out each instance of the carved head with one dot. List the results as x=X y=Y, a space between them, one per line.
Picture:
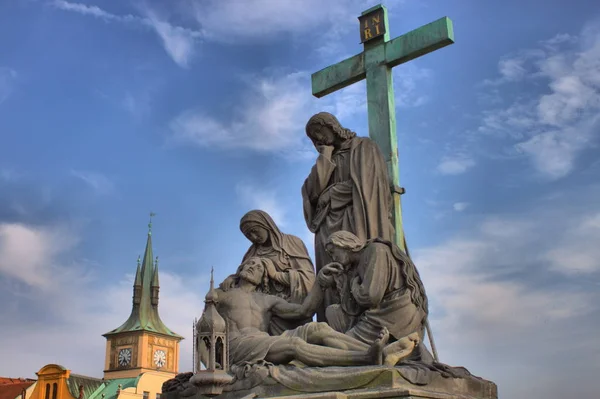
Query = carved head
x=252 y=270
x=258 y=226
x=324 y=129
x=255 y=233
x=342 y=246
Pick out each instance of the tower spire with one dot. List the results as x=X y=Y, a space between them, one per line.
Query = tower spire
x=144 y=313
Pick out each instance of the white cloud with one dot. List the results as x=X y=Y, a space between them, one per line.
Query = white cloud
x=93 y=11
x=97 y=181
x=264 y=199
x=455 y=165
x=27 y=252
x=178 y=42
x=554 y=152
x=408 y=85
x=492 y=296
x=75 y=302
x=579 y=252
x=7 y=81
x=555 y=126
x=233 y=20
x=460 y=206
x=274 y=108
x=136 y=105
x=512 y=68
x=271 y=117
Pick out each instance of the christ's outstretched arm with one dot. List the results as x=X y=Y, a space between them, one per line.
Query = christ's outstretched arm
x=286 y=310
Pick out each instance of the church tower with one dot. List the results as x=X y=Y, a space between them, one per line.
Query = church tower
x=143 y=343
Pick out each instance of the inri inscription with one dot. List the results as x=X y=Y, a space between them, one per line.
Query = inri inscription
x=372 y=25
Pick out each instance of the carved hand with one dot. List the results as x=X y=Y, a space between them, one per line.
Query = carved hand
x=228 y=283
x=271 y=270
x=325 y=150
x=325 y=277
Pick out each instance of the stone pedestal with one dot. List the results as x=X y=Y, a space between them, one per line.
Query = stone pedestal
x=366 y=383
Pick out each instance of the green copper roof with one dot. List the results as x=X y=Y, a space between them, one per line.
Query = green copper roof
x=110 y=387
x=144 y=316
x=155 y=274
x=138 y=275
x=90 y=385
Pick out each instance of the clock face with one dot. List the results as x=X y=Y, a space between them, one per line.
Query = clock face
x=124 y=357
x=160 y=358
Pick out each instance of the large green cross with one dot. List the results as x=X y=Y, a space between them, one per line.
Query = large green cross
x=375 y=65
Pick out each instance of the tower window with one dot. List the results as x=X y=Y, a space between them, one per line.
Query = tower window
x=54 y=390
x=47 y=391
x=146 y=395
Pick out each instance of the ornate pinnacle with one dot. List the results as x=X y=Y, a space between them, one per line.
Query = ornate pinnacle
x=152 y=214
x=211 y=296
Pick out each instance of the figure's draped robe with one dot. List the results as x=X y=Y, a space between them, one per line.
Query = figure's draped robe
x=350 y=192
x=383 y=294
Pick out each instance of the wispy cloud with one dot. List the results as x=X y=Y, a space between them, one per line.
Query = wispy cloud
x=513 y=68
x=178 y=42
x=7 y=82
x=264 y=199
x=138 y=105
x=460 y=206
x=270 y=117
x=272 y=111
x=41 y=276
x=579 y=252
x=94 y=11
x=555 y=126
x=234 y=20
x=26 y=253
x=455 y=165
x=509 y=286
x=97 y=181
x=409 y=85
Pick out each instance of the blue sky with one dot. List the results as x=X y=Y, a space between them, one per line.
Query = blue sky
x=195 y=109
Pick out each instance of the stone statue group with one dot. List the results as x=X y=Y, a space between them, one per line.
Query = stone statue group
x=370 y=302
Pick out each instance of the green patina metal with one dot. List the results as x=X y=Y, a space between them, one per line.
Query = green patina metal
x=155 y=282
x=110 y=387
x=144 y=315
x=375 y=65
x=89 y=384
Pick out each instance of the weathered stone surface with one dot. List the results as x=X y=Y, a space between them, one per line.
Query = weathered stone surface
x=388 y=384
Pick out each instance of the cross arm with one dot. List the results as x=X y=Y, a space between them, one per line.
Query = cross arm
x=419 y=42
x=338 y=76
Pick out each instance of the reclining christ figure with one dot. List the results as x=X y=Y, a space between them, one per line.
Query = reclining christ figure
x=249 y=311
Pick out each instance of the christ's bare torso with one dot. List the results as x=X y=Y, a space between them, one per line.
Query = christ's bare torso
x=245 y=309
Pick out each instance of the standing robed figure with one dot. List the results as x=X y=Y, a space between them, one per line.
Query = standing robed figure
x=347 y=189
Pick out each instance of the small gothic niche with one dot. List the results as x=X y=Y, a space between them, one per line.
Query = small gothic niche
x=211 y=336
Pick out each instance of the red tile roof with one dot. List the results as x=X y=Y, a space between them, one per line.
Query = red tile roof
x=10 y=388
